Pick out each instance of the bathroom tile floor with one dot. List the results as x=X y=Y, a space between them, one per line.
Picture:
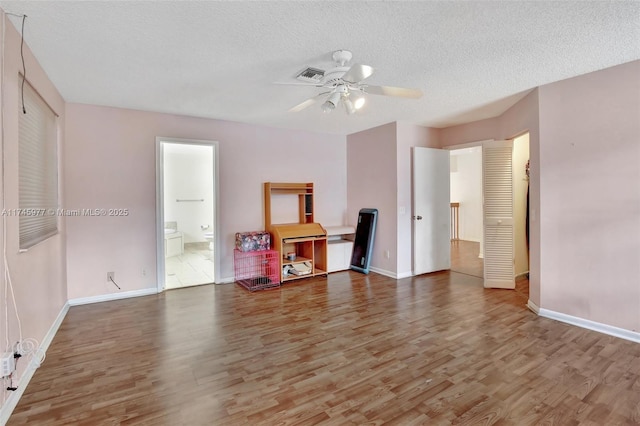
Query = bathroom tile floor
x=193 y=267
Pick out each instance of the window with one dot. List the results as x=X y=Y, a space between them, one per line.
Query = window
x=38 y=170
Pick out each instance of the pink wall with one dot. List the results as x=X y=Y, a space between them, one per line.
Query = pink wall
x=379 y=176
x=372 y=183
x=110 y=163
x=469 y=132
x=38 y=275
x=590 y=196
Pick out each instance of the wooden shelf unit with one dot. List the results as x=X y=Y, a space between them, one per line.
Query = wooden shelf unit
x=307 y=239
x=304 y=191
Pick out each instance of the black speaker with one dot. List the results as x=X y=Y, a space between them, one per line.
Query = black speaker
x=363 y=244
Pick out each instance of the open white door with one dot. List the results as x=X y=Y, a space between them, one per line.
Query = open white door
x=431 y=210
x=498 y=214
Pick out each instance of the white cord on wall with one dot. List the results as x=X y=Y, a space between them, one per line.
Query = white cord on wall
x=8 y=284
x=4 y=219
x=29 y=347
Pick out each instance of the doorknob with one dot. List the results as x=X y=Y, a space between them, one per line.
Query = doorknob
x=417 y=217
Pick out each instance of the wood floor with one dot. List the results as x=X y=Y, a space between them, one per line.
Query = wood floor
x=464 y=258
x=437 y=349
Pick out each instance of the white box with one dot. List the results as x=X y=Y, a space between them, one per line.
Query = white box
x=339 y=247
x=7 y=364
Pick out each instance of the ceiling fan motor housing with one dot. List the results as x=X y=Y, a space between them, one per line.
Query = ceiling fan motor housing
x=342 y=56
x=334 y=75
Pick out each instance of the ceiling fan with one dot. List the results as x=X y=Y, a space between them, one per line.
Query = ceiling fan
x=345 y=85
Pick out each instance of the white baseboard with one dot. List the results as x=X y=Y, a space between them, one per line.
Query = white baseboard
x=112 y=296
x=384 y=272
x=11 y=402
x=227 y=280
x=533 y=307
x=588 y=324
x=402 y=275
x=396 y=276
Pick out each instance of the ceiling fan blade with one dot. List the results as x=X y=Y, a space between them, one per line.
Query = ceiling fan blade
x=283 y=83
x=305 y=104
x=357 y=73
x=393 y=91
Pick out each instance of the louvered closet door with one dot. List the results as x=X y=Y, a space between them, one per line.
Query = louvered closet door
x=498 y=214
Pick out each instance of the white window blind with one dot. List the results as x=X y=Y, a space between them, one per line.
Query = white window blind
x=38 y=170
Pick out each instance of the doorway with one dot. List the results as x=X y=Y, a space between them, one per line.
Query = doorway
x=186 y=212
x=466 y=210
x=466 y=181
x=521 y=205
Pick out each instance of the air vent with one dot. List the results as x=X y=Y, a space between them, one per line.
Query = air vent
x=311 y=75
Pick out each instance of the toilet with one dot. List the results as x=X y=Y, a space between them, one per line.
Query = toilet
x=209 y=237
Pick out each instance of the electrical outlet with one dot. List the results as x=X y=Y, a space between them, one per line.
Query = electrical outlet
x=7 y=364
x=387 y=254
x=110 y=276
x=144 y=272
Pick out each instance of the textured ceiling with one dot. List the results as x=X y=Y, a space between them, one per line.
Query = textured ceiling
x=472 y=60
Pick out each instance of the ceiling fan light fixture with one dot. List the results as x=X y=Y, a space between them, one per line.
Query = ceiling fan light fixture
x=359 y=102
x=348 y=105
x=331 y=102
x=327 y=107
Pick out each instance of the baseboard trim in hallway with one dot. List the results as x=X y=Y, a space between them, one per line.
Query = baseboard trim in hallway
x=112 y=296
